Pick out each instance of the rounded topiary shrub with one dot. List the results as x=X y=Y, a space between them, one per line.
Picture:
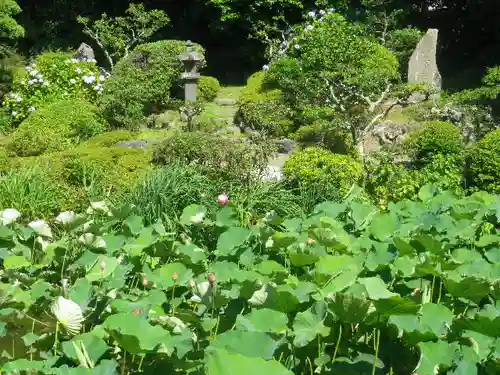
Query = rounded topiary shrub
x=484 y=163
x=263 y=110
x=208 y=88
x=314 y=165
x=143 y=83
x=56 y=127
x=435 y=138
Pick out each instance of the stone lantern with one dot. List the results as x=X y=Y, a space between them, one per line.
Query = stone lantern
x=191 y=60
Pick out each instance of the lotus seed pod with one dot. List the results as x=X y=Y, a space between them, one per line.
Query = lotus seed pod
x=211 y=277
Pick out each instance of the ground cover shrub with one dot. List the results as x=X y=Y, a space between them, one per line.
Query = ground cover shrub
x=144 y=82
x=433 y=139
x=56 y=127
x=317 y=166
x=484 y=163
x=53 y=76
x=109 y=139
x=222 y=159
x=347 y=289
x=208 y=88
x=263 y=110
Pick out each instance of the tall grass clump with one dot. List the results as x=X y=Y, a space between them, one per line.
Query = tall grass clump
x=164 y=192
x=30 y=191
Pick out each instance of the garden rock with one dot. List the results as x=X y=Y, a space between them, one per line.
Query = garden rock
x=386 y=134
x=137 y=144
x=85 y=53
x=286 y=146
x=423 y=67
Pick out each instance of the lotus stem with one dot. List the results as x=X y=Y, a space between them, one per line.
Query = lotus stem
x=376 y=340
x=56 y=338
x=337 y=345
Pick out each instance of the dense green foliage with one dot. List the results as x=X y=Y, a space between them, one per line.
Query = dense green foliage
x=330 y=64
x=142 y=83
x=316 y=166
x=56 y=127
x=484 y=163
x=435 y=138
x=347 y=289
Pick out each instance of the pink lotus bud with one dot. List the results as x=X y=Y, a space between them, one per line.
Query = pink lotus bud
x=310 y=241
x=175 y=276
x=223 y=199
x=211 y=277
x=136 y=311
x=145 y=281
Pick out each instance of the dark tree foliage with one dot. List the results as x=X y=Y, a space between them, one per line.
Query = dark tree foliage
x=469 y=33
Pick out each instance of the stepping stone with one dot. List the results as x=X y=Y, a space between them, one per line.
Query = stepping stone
x=225 y=102
x=224 y=111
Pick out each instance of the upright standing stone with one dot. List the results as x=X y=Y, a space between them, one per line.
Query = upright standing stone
x=423 y=65
x=191 y=60
x=85 y=53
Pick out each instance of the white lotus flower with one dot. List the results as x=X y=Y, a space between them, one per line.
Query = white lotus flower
x=98 y=207
x=259 y=297
x=69 y=314
x=41 y=227
x=203 y=290
x=176 y=324
x=88 y=239
x=42 y=243
x=65 y=217
x=9 y=215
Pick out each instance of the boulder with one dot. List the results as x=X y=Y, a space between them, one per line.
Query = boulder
x=85 y=53
x=386 y=134
x=422 y=68
x=286 y=146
